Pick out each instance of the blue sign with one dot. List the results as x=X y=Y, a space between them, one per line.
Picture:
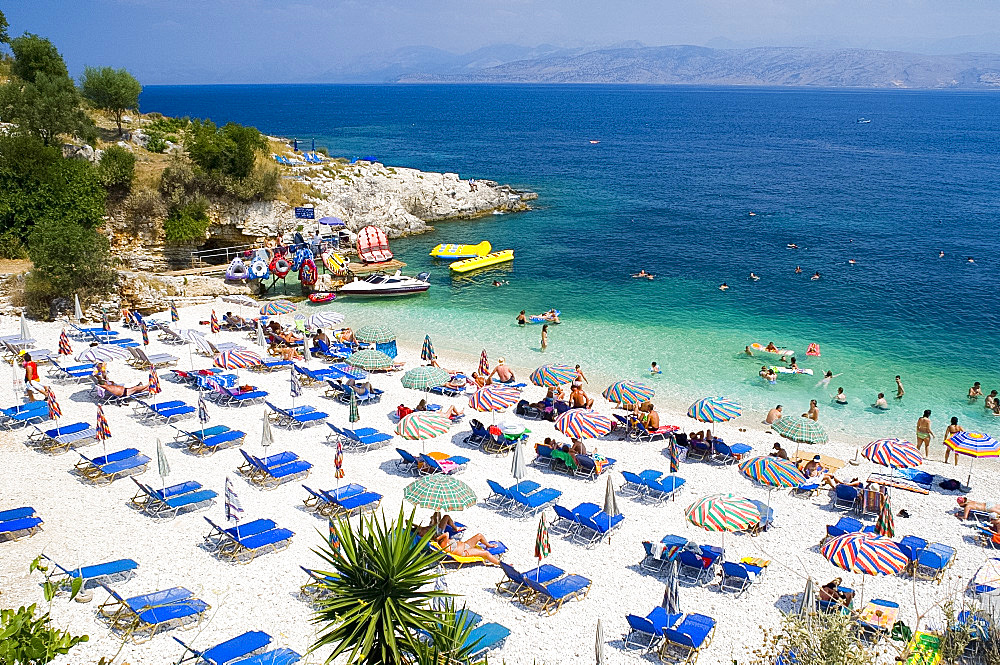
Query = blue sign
x=305 y=213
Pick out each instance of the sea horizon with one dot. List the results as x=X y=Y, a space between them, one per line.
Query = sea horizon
x=691 y=164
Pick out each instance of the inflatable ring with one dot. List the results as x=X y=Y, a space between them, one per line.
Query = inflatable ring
x=237 y=270
x=258 y=269
x=322 y=297
x=308 y=272
x=280 y=266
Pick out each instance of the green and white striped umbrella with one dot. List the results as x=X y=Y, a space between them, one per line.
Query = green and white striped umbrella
x=353 y=415
x=427 y=350
x=374 y=335
x=369 y=359
x=723 y=512
x=421 y=425
x=439 y=491
x=801 y=430
x=422 y=378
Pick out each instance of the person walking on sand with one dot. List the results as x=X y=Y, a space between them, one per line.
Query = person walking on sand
x=951 y=430
x=813 y=412
x=924 y=432
x=545 y=336
x=580 y=378
x=899 y=388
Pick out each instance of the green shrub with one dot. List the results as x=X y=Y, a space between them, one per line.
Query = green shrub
x=116 y=170
x=187 y=222
x=30 y=640
x=166 y=125
x=155 y=141
x=11 y=247
x=231 y=150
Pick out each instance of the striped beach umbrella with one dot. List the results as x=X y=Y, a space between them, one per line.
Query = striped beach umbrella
x=203 y=416
x=154 y=382
x=277 y=308
x=550 y=376
x=353 y=415
x=427 y=350
x=973 y=444
x=105 y=323
x=145 y=332
x=886 y=524
x=865 y=553
x=484 y=363
x=675 y=460
x=214 y=323
x=64 y=348
x=715 y=410
x=338 y=460
x=772 y=471
x=325 y=319
x=439 y=491
x=494 y=397
x=800 y=430
x=583 y=424
x=102 y=428
x=334 y=537
x=895 y=453
x=369 y=359
x=55 y=411
x=174 y=314
x=723 y=512
x=237 y=359
x=374 y=335
x=102 y=353
x=542 y=546
x=422 y=378
x=421 y=425
x=628 y=392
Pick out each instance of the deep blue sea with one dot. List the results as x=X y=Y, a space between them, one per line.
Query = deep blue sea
x=670 y=188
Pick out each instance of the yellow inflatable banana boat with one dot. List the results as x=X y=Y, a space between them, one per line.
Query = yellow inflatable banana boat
x=451 y=252
x=494 y=258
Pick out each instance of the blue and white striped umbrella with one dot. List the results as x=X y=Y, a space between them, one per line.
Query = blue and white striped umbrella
x=102 y=353
x=715 y=410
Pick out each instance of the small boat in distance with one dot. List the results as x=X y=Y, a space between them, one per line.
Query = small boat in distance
x=451 y=252
x=593 y=142
x=384 y=285
x=483 y=261
x=863 y=121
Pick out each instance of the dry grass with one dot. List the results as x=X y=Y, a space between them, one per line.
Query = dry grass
x=14 y=266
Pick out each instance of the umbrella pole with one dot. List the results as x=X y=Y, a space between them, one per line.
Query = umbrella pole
x=968 y=481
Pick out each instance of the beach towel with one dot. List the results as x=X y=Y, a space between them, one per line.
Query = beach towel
x=447 y=465
x=373 y=245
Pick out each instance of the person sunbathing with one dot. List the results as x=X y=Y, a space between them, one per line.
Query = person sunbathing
x=122 y=391
x=831 y=480
x=979 y=506
x=233 y=321
x=577 y=448
x=345 y=335
x=468 y=547
x=286 y=337
x=450 y=413
x=831 y=592
x=578 y=399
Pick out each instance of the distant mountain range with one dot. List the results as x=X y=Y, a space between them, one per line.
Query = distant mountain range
x=694 y=65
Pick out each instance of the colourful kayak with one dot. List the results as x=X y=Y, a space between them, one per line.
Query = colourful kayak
x=494 y=258
x=450 y=252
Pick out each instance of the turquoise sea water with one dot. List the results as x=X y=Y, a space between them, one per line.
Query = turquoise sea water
x=669 y=188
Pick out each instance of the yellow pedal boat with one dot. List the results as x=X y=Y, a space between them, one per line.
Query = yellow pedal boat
x=451 y=252
x=483 y=261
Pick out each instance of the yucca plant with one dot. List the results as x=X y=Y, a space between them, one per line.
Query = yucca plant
x=379 y=597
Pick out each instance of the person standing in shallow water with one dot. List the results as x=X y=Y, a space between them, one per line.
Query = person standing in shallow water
x=952 y=429
x=899 y=388
x=924 y=432
x=545 y=336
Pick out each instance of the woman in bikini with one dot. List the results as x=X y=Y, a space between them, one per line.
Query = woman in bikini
x=468 y=547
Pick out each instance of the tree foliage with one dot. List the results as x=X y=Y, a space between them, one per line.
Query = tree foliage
x=116 y=170
x=187 y=222
x=36 y=182
x=230 y=151
x=379 y=600
x=4 y=26
x=35 y=55
x=114 y=90
x=26 y=639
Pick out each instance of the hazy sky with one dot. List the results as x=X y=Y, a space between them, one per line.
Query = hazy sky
x=167 y=41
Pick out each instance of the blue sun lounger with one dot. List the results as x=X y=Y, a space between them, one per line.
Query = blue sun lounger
x=229 y=397
x=551 y=597
x=108 y=468
x=273 y=470
x=19 y=522
x=430 y=465
x=316 y=499
x=61 y=439
x=165 y=411
x=513 y=582
x=231 y=650
x=280 y=656
x=483 y=638
x=240 y=545
x=689 y=637
x=525 y=505
x=738 y=577
x=297 y=418
x=568 y=521
x=74 y=374
x=594 y=527
x=24 y=414
x=211 y=439
x=347 y=506
x=143 y=617
x=501 y=497
x=171 y=501
x=361 y=437
x=846 y=525
x=316 y=588
x=120 y=570
x=647 y=632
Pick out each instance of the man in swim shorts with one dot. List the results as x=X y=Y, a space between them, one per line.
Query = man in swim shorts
x=504 y=374
x=979 y=506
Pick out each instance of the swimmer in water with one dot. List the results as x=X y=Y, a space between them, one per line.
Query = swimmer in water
x=815 y=276
x=654 y=368
x=724 y=287
x=851 y=262
x=940 y=253
x=798 y=270
x=792 y=245
x=747 y=351
x=825 y=381
x=643 y=273
x=970 y=260
x=753 y=277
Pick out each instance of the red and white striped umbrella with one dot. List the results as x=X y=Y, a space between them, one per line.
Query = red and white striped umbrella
x=237 y=359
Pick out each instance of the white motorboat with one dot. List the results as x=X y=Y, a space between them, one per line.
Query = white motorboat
x=382 y=285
